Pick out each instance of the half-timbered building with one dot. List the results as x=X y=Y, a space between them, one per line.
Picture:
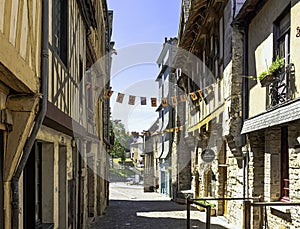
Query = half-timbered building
x=54 y=67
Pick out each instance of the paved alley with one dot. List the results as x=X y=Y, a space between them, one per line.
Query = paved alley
x=130 y=207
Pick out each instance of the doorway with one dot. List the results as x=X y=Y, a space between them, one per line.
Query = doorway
x=62 y=186
x=38 y=186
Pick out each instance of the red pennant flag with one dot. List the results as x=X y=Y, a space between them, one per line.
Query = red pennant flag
x=120 y=98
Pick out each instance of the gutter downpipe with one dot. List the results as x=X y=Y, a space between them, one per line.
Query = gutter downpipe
x=40 y=116
x=245 y=107
x=245 y=112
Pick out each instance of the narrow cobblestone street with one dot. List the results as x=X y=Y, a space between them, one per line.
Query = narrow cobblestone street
x=130 y=207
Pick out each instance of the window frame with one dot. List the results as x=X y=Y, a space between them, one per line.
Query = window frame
x=60 y=29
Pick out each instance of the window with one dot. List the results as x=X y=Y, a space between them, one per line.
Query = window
x=38 y=184
x=221 y=38
x=80 y=81
x=282 y=47
x=279 y=89
x=60 y=29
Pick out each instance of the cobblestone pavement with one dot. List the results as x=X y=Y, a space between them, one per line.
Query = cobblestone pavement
x=130 y=208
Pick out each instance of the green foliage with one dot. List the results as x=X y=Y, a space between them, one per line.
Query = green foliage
x=276 y=65
x=206 y=203
x=121 y=140
x=262 y=75
x=251 y=77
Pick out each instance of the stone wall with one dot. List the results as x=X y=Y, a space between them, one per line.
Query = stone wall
x=234 y=189
x=256 y=173
x=294 y=169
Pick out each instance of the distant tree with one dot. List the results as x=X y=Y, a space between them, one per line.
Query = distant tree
x=121 y=139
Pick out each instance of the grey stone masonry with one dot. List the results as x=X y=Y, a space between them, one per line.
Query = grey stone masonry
x=256 y=173
x=272 y=164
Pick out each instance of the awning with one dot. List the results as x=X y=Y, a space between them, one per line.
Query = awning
x=166 y=150
x=284 y=113
x=166 y=121
x=159 y=149
x=215 y=114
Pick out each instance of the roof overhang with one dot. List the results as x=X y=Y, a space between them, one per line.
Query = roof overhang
x=248 y=11
x=284 y=113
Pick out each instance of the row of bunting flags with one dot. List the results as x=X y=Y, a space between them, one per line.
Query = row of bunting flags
x=171 y=130
x=174 y=100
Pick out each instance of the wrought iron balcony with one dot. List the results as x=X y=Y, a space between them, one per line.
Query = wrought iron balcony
x=282 y=88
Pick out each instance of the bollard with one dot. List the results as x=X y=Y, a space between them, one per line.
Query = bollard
x=188 y=213
x=247 y=214
x=208 y=209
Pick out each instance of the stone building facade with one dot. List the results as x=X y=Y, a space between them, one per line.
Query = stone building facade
x=166 y=115
x=150 y=171
x=53 y=129
x=213 y=118
x=272 y=116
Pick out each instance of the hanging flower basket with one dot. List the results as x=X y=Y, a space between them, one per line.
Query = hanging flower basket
x=274 y=71
x=267 y=80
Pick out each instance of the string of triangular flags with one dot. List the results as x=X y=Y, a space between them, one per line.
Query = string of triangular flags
x=170 y=130
x=174 y=100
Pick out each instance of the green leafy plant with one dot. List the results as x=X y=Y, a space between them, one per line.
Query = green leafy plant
x=204 y=202
x=262 y=75
x=276 y=65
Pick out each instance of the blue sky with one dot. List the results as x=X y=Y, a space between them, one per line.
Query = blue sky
x=138 y=21
x=139 y=30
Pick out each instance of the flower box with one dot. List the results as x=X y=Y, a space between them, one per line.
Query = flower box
x=267 y=80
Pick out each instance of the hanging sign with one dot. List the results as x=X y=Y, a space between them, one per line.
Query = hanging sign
x=208 y=155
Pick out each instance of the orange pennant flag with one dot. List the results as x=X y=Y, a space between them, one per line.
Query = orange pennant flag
x=174 y=101
x=193 y=96
x=164 y=102
x=108 y=93
x=200 y=94
x=153 y=102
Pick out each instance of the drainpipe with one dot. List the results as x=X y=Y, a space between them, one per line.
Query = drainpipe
x=245 y=96
x=245 y=105
x=39 y=119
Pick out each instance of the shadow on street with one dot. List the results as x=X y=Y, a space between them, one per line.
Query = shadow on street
x=146 y=215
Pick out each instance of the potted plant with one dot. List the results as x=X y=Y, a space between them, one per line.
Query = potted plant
x=275 y=69
x=265 y=78
x=277 y=66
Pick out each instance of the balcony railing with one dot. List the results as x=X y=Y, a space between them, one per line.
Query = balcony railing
x=282 y=88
